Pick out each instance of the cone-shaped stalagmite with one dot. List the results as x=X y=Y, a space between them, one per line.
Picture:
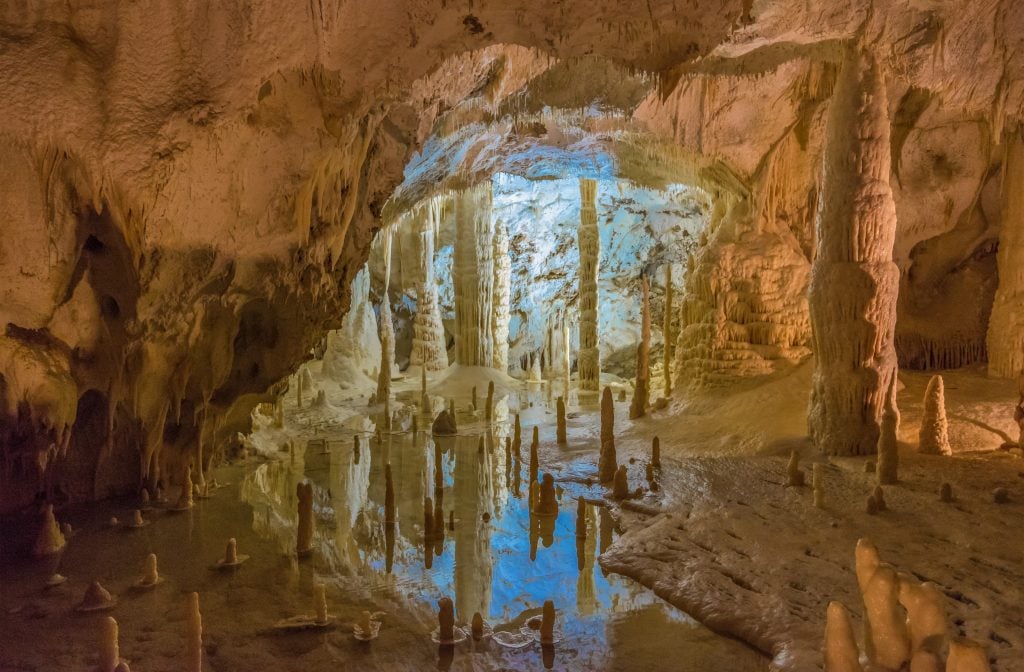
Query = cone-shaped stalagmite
x=656 y=453
x=560 y=421
x=620 y=489
x=666 y=331
x=854 y=282
x=642 y=391
x=888 y=449
x=589 y=357
x=841 y=653
x=109 y=649
x=193 y=635
x=607 y=462
x=49 y=539
x=934 y=434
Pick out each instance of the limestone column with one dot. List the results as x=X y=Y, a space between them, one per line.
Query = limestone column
x=428 y=343
x=1006 y=325
x=589 y=356
x=854 y=282
x=666 y=332
x=641 y=393
x=387 y=326
x=473 y=276
x=500 y=312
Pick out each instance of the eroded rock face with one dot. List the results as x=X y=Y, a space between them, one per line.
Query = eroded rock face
x=188 y=192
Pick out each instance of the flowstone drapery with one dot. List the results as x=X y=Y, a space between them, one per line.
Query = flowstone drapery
x=854 y=282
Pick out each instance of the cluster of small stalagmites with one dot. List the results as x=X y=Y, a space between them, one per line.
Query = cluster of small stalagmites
x=904 y=625
x=933 y=438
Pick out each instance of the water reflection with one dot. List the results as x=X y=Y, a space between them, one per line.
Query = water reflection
x=452 y=520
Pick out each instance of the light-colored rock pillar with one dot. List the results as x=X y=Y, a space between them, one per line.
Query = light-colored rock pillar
x=501 y=312
x=589 y=357
x=1005 y=340
x=566 y=359
x=428 y=342
x=854 y=282
x=473 y=276
x=641 y=393
x=666 y=332
x=387 y=350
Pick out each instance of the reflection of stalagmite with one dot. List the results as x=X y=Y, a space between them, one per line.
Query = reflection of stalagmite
x=589 y=357
x=547 y=505
x=547 y=623
x=500 y=314
x=534 y=457
x=446 y=619
x=607 y=462
x=193 y=635
x=389 y=495
x=934 y=434
x=641 y=393
x=666 y=332
x=473 y=276
x=560 y=421
x=304 y=494
x=428 y=344
x=854 y=281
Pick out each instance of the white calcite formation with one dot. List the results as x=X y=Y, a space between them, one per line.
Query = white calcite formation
x=589 y=355
x=352 y=353
x=428 y=345
x=387 y=353
x=854 y=282
x=473 y=277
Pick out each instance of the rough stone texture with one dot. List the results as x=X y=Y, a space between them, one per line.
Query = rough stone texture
x=854 y=282
x=589 y=355
x=1005 y=329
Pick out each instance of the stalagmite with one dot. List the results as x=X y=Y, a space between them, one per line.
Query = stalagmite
x=607 y=462
x=534 y=457
x=517 y=438
x=841 y=652
x=926 y=614
x=933 y=438
x=794 y=474
x=446 y=619
x=642 y=391
x=879 y=496
x=887 y=641
x=560 y=421
x=888 y=465
x=566 y=360
x=193 y=635
x=473 y=400
x=387 y=351
x=489 y=411
x=185 y=498
x=854 y=282
x=389 y=496
x=818 y=483
x=589 y=357
x=666 y=332
x=96 y=598
x=1005 y=339
x=652 y=481
x=49 y=539
x=547 y=623
x=967 y=655
x=320 y=602
x=656 y=453
x=110 y=654
x=304 y=535
x=473 y=276
x=429 y=350
x=946 y=493
x=444 y=425
x=151 y=575
x=477 y=626
x=620 y=488
x=502 y=288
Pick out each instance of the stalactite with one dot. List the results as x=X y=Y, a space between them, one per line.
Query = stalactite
x=501 y=312
x=589 y=357
x=666 y=332
x=854 y=282
x=641 y=393
x=473 y=277
x=1005 y=339
x=428 y=345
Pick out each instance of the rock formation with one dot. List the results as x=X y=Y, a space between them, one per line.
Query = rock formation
x=428 y=345
x=304 y=530
x=642 y=391
x=446 y=620
x=534 y=457
x=1005 y=339
x=841 y=652
x=589 y=356
x=854 y=282
x=666 y=334
x=473 y=277
x=547 y=623
x=49 y=539
x=933 y=437
x=110 y=655
x=193 y=635
x=888 y=465
x=387 y=352
x=560 y=421
x=502 y=289
x=607 y=461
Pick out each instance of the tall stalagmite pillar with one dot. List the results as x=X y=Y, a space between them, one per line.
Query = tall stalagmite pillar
x=854 y=282
x=1006 y=325
x=500 y=313
x=641 y=393
x=666 y=332
x=387 y=326
x=589 y=356
x=473 y=276
x=428 y=343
